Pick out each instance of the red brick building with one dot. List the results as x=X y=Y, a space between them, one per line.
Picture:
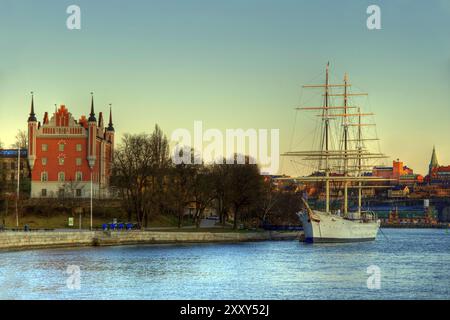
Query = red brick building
x=437 y=174
x=65 y=154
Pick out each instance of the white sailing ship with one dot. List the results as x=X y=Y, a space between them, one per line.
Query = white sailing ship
x=341 y=164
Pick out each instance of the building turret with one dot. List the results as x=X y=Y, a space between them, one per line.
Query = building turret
x=92 y=133
x=45 y=118
x=109 y=134
x=32 y=131
x=92 y=114
x=110 y=124
x=100 y=121
x=32 y=116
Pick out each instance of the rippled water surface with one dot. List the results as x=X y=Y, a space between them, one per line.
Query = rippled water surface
x=414 y=264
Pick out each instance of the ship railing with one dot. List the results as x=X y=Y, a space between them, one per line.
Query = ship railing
x=368 y=215
x=365 y=215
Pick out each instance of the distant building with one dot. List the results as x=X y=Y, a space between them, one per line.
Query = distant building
x=284 y=182
x=434 y=164
x=398 y=192
x=8 y=169
x=65 y=154
x=437 y=174
x=401 y=174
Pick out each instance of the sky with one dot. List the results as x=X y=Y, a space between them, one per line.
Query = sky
x=230 y=64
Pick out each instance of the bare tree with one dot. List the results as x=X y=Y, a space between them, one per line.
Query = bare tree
x=270 y=197
x=244 y=186
x=181 y=180
x=156 y=189
x=69 y=198
x=220 y=188
x=140 y=162
x=21 y=141
x=131 y=171
x=150 y=184
x=202 y=191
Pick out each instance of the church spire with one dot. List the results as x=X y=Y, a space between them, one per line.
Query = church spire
x=110 y=124
x=92 y=114
x=434 y=161
x=32 y=116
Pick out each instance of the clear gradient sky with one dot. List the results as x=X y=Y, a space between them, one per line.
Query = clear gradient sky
x=229 y=63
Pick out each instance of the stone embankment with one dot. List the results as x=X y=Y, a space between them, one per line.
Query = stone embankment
x=54 y=239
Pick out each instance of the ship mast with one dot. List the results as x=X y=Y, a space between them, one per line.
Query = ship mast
x=359 y=162
x=327 y=128
x=345 y=145
x=352 y=150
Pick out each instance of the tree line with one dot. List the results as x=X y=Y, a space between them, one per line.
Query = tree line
x=149 y=184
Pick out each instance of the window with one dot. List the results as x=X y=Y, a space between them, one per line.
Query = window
x=44 y=176
x=78 y=147
x=43 y=192
x=78 y=192
x=13 y=166
x=61 y=177
x=44 y=147
x=61 y=147
x=79 y=176
x=78 y=161
x=44 y=161
x=61 y=161
x=61 y=193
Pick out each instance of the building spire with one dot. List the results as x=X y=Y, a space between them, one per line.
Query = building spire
x=434 y=161
x=110 y=124
x=92 y=114
x=32 y=116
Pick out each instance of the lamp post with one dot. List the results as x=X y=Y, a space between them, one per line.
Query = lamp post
x=91 y=198
x=18 y=187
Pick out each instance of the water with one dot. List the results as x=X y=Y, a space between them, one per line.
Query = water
x=414 y=264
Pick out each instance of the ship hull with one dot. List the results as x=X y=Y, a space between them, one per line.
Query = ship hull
x=323 y=227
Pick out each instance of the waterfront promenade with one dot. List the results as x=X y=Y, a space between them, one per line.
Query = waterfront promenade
x=55 y=239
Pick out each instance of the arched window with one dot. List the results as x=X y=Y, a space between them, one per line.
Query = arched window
x=44 y=176
x=61 y=177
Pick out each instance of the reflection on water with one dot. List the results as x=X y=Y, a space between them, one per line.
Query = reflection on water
x=414 y=265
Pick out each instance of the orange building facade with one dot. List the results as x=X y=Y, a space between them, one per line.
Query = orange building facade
x=400 y=174
x=65 y=154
